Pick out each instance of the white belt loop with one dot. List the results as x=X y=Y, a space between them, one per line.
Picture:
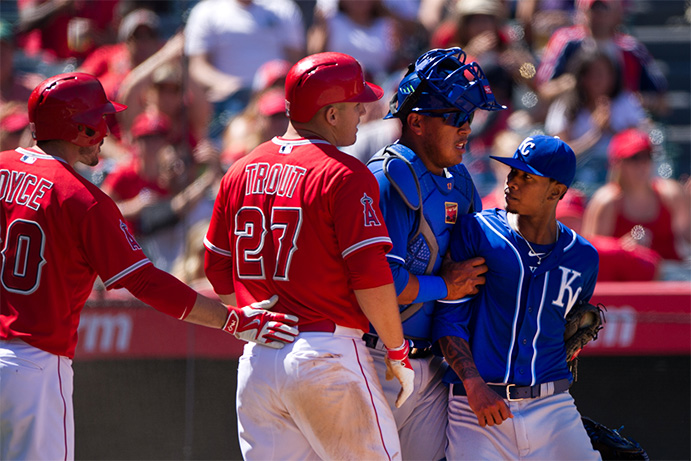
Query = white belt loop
x=546 y=389
x=345 y=331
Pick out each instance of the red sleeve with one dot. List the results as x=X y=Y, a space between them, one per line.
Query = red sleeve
x=218 y=259
x=107 y=243
x=368 y=268
x=358 y=221
x=219 y=271
x=161 y=291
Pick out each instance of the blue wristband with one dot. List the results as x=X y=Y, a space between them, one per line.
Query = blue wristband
x=431 y=288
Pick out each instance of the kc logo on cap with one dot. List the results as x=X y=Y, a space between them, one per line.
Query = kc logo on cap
x=546 y=156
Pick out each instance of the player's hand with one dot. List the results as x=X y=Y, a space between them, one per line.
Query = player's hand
x=398 y=366
x=257 y=324
x=462 y=278
x=487 y=405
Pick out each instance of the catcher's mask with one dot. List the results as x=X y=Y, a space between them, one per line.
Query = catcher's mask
x=441 y=79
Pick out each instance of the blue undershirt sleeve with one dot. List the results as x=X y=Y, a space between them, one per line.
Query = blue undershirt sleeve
x=432 y=287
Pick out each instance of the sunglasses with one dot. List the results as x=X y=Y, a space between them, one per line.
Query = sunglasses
x=457 y=118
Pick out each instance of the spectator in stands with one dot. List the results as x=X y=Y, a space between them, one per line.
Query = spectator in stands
x=135 y=184
x=364 y=29
x=14 y=86
x=55 y=30
x=157 y=192
x=621 y=259
x=263 y=118
x=189 y=266
x=599 y=22
x=160 y=85
x=480 y=28
x=138 y=38
x=587 y=116
x=652 y=210
x=14 y=126
x=271 y=74
x=228 y=40
x=541 y=18
x=477 y=26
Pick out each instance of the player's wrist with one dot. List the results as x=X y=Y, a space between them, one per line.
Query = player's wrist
x=400 y=352
x=232 y=320
x=431 y=288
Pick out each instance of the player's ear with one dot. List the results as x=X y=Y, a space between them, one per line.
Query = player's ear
x=557 y=191
x=414 y=121
x=331 y=114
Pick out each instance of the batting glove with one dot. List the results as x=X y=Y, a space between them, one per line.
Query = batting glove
x=398 y=366
x=255 y=323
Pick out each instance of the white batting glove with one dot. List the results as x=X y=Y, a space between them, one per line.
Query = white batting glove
x=255 y=323
x=398 y=366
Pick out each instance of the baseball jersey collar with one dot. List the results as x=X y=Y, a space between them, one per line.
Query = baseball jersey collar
x=38 y=154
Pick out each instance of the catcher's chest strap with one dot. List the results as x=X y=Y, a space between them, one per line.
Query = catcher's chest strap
x=512 y=392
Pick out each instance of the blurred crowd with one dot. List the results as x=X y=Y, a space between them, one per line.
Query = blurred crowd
x=203 y=81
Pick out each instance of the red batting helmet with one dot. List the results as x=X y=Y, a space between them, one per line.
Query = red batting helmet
x=71 y=107
x=326 y=78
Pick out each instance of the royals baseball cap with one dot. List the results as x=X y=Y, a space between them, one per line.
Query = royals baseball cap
x=544 y=156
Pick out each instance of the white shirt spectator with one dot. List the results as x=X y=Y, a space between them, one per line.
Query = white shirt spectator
x=239 y=37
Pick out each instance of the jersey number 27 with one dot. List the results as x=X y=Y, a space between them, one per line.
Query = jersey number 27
x=252 y=230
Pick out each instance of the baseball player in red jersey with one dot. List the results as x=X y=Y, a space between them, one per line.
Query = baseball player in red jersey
x=58 y=232
x=299 y=218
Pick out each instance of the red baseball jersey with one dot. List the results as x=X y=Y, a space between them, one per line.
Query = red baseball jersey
x=286 y=217
x=58 y=232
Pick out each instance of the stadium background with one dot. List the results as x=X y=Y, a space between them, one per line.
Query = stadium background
x=168 y=393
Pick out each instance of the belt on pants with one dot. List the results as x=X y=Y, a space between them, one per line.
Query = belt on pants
x=320 y=326
x=419 y=348
x=512 y=392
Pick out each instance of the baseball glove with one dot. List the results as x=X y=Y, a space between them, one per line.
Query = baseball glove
x=611 y=444
x=583 y=322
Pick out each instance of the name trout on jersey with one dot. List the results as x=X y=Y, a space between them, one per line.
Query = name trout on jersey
x=22 y=188
x=278 y=178
x=283 y=179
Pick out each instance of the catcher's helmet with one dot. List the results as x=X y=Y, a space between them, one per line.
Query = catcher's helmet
x=70 y=107
x=326 y=78
x=441 y=79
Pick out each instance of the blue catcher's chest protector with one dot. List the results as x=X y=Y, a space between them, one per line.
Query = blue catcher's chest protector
x=437 y=202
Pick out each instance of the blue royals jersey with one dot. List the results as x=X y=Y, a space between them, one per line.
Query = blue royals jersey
x=444 y=199
x=515 y=324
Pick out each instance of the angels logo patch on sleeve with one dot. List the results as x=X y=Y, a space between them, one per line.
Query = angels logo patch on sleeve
x=368 y=211
x=130 y=238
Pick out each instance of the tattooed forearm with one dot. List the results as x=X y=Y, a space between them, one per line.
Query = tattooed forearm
x=457 y=353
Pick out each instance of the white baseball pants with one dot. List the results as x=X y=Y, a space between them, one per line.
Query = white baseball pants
x=542 y=428
x=36 y=414
x=421 y=420
x=318 y=398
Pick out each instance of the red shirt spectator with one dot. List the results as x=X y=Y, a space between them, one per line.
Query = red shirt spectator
x=64 y=29
x=621 y=259
x=138 y=37
x=135 y=185
x=635 y=203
